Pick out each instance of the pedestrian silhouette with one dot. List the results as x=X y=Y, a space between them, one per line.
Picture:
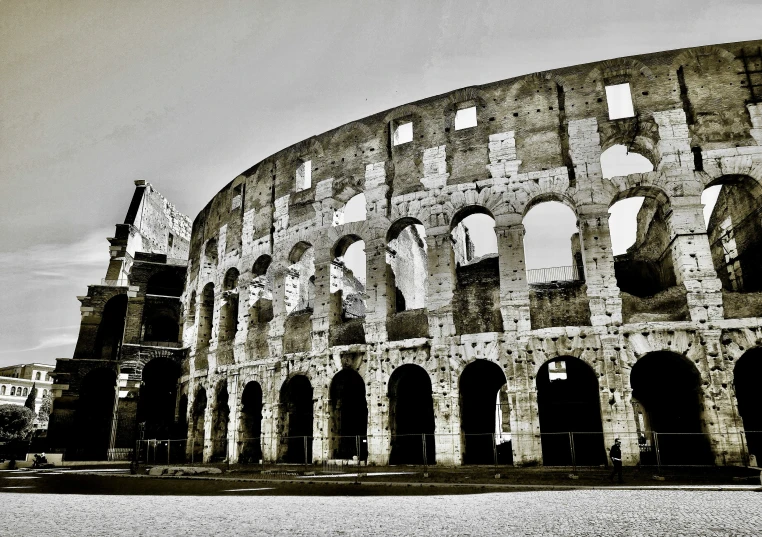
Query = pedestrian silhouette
x=616 y=458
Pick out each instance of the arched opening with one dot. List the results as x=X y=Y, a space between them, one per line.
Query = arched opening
x=296 y=420
x=94 y=415
x=165 y=283
x=407 y=264
x=746 y=375
x=261 y=292
x=182 y=417
x=210 y=254
x=229 y=308
x=198 y=422
x=158 y=397
x=348 y=291
x=162 y=324
x=476 y=296
x=250 y=434
x=484 y=414
x=348 y=277
x=570 y=413
x=205 y=317
x=619 y=161
x=349 y=416
x=411 y=416
x=555 y=270
x=732 y=212
x=353 y=211
x=108 y=340
x=220 y=418
x=299 y=299
x=667 y=400
x=300 y=279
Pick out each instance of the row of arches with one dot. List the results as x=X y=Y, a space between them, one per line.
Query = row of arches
x=667 y=399
x=18 y=391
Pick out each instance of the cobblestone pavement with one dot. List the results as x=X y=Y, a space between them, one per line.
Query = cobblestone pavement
x=582 y=512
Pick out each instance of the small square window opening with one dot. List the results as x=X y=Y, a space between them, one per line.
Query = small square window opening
x=403 y=133
x=465 y=118
x=304 y=175
x=619 y=99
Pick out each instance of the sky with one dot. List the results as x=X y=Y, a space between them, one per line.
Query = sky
x=187 y=95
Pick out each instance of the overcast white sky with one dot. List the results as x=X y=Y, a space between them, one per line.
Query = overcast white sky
x=188 y=94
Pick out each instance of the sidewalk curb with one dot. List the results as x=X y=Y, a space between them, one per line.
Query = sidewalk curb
x=527 y=487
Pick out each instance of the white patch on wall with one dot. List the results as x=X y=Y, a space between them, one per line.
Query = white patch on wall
x=403 y=133
x=304 y=175
x=619 y=99
x=465 y=118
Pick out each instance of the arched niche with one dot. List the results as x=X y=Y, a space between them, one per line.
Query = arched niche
x=250 y=429
x=349 y=416
x=296 y=420
x=411 y=416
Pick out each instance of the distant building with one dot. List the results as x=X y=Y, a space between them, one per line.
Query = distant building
x=17 y=380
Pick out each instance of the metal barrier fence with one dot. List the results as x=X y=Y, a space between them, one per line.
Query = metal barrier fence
x=569 y=273
x=338 y=454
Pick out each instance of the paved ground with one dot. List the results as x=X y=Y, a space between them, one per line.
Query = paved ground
x=73 y=502
x=582 y=512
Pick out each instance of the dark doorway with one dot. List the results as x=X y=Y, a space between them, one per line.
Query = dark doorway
x=108 y=340
x=570 y=414
x=296 y=418
x=220 y=419
x=480 y=384
x=668 y=388
x=94 y=416
x=251 y=424
x=158 y=397
x=746 y=376
x=349 y=416
x=411 y=416
x=198 y=421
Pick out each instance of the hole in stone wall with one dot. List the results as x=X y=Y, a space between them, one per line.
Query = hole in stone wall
x=619 y=99
x=348 y=277
x=618 y=161
x=300 y=279
x=261 y=291
x=402 y=132
x=205 y=313
x=158 y=394
x=251 y=424
x=296 y=407
x=411 y=416
x=482 y=413
x=406 y=257
x=746 y=375
x=552 y=248
x=349 y=416
x=465 y=118
x=304 y=175
x=353 y=211
x=229 y=308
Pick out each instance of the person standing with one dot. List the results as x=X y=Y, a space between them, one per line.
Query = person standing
x=616 y=458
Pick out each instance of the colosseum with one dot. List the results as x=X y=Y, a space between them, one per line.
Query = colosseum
x=254 y=334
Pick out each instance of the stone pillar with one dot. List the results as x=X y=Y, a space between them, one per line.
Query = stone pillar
x=234 y=402
x=525 y=417
x=617 y=414
x=321 y=424
x=321 y=312
x=377 y=397
x=602 y=289
x=377 y=291
x=270 y=420
x=446 y=401
x=692 y=259
x=514 y=291
x=722 y=422
x=278 y=322
x=440 y=283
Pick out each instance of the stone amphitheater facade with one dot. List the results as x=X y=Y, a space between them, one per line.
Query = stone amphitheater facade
x=261 y=314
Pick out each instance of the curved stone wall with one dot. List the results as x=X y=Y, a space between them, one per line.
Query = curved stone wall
x=537 y=138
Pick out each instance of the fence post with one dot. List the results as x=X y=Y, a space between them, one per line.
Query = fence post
x=658 y=453
x=573 y=454
x=425 y=457
x=193 y=448
x=169 y=450
x=494 y=455
x=305 y=454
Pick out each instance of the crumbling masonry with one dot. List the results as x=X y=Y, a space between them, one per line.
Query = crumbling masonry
x=279 y=352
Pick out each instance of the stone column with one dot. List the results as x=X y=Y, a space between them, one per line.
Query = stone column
x=617 y=414
x=233 y=421
x=514 y=291
x=447 y=432
x=321 y=424
x=525 y=417
x=602 y=289
x=377 y=397
x=377 y=291
x=321 y=312
x=692 y=259
x=721 y=420
x=278 y=322
x=440 y=283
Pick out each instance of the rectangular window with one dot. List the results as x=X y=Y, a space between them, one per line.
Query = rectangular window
x=465 y=118
x=170 y=241
x=304 y=175
x=237 y=198
x=619 y=100
x=403 y=133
